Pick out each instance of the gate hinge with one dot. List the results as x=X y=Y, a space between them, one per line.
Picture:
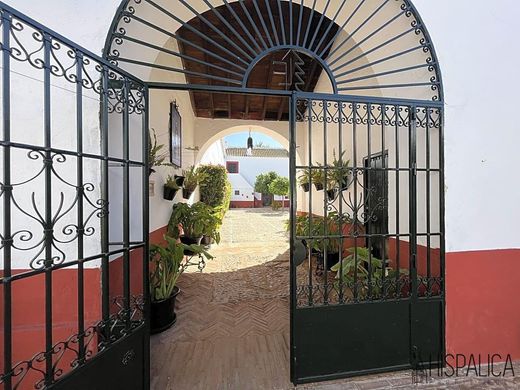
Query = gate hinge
x=414 y=169
x=414 y=261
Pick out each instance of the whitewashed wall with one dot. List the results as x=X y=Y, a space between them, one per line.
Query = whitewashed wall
x=251 y=167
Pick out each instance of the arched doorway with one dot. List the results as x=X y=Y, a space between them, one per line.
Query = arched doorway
x=360 y=87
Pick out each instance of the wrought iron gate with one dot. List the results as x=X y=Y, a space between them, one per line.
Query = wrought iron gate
x=75 y=215
x=366 y=300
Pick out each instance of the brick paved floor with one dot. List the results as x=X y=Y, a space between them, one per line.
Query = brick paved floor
x=232 y=329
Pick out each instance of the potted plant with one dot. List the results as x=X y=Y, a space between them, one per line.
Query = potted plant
x=170 y=188
x=318 y=178
x=168 y=263
x=179 y=180
x=341 y=172
x=212 y=225
x=188 y=223
x=331 y=225
x=305 y=180
x=156 y=155
x=191 y=181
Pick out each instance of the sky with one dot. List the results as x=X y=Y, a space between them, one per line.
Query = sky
x=239 y=140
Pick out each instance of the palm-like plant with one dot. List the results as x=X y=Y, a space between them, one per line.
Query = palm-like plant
x=156 y=154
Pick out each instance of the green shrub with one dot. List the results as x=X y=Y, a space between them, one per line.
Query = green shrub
x=263 y=181
x=215 y=188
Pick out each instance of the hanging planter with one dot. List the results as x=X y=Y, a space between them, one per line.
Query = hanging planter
x=179 y=180
x=170 y=188
x=306 y=187
x=186 y=193
x=331 y=194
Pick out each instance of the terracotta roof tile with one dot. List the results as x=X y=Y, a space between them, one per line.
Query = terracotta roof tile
x=258 y=152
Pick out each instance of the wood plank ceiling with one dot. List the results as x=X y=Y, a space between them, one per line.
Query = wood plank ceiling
x=275 y=71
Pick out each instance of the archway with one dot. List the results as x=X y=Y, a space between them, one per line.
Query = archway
x=371 y=136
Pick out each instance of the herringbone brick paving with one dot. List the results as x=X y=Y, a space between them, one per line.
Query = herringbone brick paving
x=232 y=329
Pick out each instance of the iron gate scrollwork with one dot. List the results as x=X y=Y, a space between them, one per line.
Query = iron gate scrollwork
x=80 y=291
x=370 y=213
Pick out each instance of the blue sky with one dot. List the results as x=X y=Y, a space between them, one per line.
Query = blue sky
x=239 y=140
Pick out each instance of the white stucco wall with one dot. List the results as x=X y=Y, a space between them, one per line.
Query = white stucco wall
x=477 y=59
x=251 y=167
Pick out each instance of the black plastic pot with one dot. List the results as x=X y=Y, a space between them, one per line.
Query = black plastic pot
x=319 y=186
x=206 y=241
x=345 y=183
x=186 y=194
x=306 y=187
x=169 y=193
x=179 y=180
x=331 y=194
x=190 y=241
x=162 y=315
x=332 y=260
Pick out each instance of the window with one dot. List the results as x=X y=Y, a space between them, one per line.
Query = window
x=232 y=166
x=237 y=192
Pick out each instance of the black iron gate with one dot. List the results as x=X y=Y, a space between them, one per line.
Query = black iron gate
x=366 y=300
x=74 y=215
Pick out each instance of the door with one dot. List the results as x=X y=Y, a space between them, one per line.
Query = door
x=376 y=198
x=74 y=193
x=367 y=263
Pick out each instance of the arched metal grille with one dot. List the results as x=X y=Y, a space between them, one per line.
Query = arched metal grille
x=375 y=48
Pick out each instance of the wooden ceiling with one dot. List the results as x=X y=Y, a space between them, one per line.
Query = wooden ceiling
x=276 y=71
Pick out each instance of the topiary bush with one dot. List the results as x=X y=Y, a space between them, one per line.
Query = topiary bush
x=214 y=186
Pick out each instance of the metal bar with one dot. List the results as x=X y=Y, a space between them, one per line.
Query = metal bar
x=369 y=36
x=428 y=204
x=80 y=194
x=126 y=204
x=7 y=233
x=389 y=86
x=397 y=196
x=291 y=22
x=368 y=198
x=293 y=200
x=48 y=226
x=340 y=197
x=242 y=25
x=271 y=19
x=262 y=22
x=342 y=28
x=180 y=39
x=375 y=75
x=309 y=24
x=309 y=172
x=331 y=24
x=146 y=234
x=114 y=160
x=178 y=70
x=413 y=200
x=58 y=37
x=282 y=22
x=356 y=217
x=253 y=24
x=351 y=35
x=67 y=264
x=180 y=55
x=385 y=197
x=369 y=99
x=325 y=210
x=370 y=51
x=211 y=26
x=105 y=263
x=231 y=28
x=300 y=17
x=195 y=31
x=317 y=28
